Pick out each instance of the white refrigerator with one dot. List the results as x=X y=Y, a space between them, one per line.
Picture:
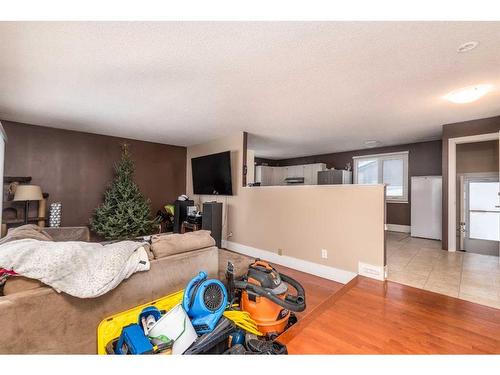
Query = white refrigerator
x=426 y=207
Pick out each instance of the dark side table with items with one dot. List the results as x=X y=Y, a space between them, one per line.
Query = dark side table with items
x=211 y=219
x=190 y=227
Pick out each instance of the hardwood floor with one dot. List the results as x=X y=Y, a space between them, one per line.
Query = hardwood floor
x=368 y=316
x=373 y=317
x=318 y=290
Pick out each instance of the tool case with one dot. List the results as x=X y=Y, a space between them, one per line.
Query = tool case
x=111 y=327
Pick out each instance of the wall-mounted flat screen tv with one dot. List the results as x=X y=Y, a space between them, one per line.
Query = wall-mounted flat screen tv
x=212 y=174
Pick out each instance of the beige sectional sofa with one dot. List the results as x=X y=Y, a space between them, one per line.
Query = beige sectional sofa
x=40 y=320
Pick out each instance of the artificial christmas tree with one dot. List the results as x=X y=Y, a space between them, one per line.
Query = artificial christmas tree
x=125 y=213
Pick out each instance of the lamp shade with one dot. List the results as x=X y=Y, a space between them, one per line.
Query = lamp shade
x=28 y=193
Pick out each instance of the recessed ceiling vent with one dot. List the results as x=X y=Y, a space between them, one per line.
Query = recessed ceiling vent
x=468 y=46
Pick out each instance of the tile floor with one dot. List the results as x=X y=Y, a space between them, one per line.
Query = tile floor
x=422 y=264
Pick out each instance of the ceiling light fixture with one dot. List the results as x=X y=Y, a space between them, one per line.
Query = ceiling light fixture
x=468 y=46
x=371 y=143
x=468 y=94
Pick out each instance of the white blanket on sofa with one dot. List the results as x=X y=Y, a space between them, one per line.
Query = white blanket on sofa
x=81 y=269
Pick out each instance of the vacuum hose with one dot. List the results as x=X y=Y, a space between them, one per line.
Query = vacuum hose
x=293 y=303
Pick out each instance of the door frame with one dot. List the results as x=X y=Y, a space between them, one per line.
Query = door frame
x=452 y=181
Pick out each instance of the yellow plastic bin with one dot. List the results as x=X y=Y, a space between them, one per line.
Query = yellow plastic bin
x=111 y=327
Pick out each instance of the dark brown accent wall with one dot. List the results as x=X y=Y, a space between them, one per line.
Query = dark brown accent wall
x=424 y=159
x=75 y=167
x=461 y=129
x=264 y=161
x=477 y=157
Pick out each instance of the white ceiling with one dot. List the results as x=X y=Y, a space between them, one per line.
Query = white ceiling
x=300 y=87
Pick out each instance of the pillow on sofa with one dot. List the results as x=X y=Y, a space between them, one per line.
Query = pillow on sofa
x=30 y=231
x=170 y=244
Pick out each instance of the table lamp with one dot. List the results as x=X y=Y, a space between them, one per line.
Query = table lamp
x=28 y=193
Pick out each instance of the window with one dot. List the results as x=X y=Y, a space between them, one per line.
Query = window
x=389 y=169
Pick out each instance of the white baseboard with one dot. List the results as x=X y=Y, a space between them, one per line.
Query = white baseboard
x=326 y=272
x=398 y=228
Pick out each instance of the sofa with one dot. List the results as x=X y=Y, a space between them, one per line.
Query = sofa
x=37 y=319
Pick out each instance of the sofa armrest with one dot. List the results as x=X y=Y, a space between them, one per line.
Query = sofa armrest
x=68 y=233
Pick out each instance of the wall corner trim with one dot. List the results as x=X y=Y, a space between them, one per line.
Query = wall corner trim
x=320 y=270
x=374 y=272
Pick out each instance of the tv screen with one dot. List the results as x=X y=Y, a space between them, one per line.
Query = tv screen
x=212 y=174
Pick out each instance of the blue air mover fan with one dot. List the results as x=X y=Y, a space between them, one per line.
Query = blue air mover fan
x=204 y=301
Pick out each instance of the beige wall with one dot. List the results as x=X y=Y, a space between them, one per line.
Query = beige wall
x=233 y=143
x=346 y=220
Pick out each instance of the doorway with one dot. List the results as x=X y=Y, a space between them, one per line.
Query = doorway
x=479 y=223
x=467 y=155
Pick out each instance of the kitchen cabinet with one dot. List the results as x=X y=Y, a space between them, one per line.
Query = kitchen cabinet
x=278 y=176
x=275 y=176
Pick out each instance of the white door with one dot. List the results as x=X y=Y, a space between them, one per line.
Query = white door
x=481 y=227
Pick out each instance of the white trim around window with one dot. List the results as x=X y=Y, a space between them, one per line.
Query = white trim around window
x=379 y=174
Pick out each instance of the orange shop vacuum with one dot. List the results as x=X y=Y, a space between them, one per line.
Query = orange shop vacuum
x=265 y=295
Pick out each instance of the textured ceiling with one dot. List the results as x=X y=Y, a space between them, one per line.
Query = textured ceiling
x=298 y=87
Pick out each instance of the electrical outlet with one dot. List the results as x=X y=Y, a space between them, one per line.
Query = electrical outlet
x=280 y=251
x=230 y=234
x=324 y=253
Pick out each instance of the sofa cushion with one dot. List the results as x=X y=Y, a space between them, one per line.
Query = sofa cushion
x=26 y=231
x=11 y=335
x=16 y=284
x=68 y=233
x=170 y=244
